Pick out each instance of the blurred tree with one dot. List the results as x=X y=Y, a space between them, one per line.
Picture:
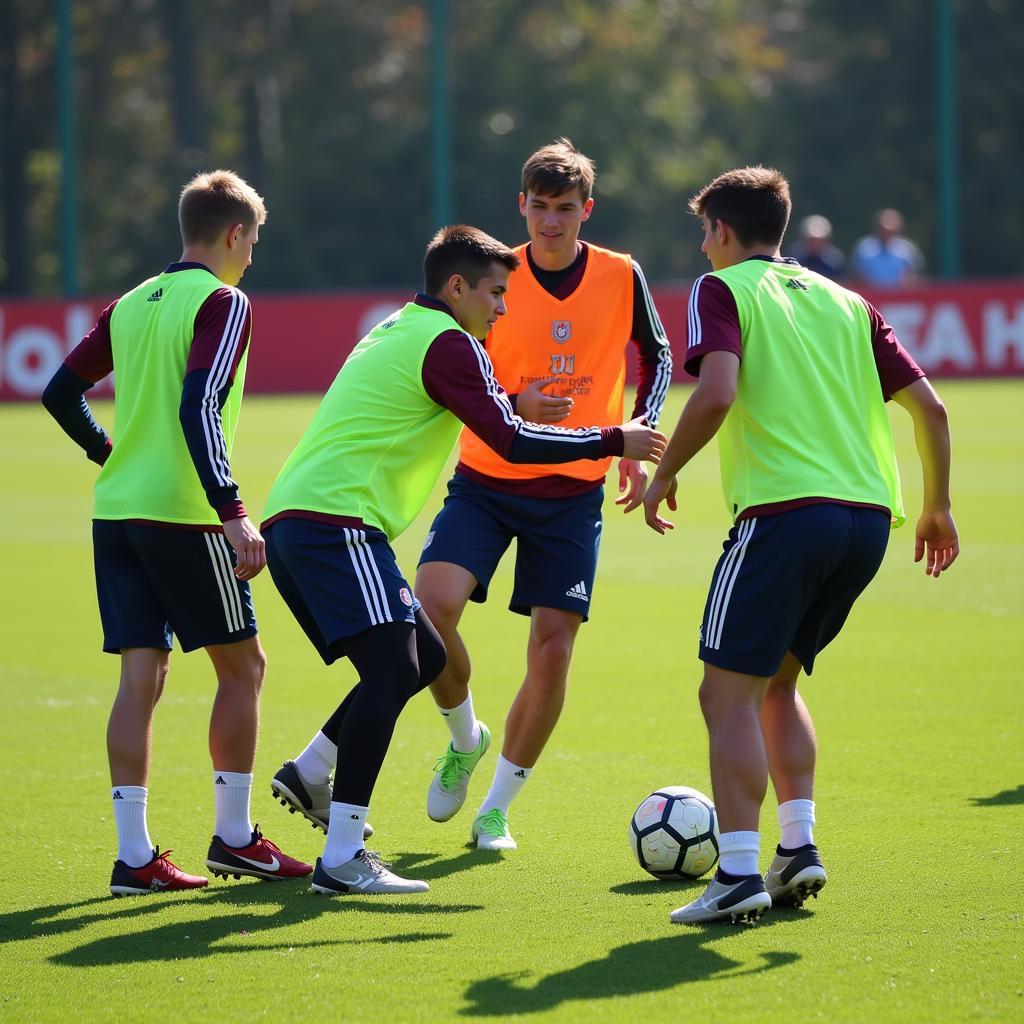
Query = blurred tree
x=28 y=172
x=14 y=276
x=635 y=85
x=324 y=106
x=852 y=121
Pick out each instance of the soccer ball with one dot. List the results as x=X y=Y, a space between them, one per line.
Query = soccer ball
x=674 y=833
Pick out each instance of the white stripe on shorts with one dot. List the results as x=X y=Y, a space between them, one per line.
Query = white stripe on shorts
x=234 y=595
x=723 y=586
x=224 y=585
x=368 y=577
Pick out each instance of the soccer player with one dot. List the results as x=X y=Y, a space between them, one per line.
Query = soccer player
x=359 y=475
x=573 y=310
x=794 y=372
x=174 y=547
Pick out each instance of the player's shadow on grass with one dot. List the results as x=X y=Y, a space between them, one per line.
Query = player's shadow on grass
x=1006 y=798
x=652 y=887
x=651 y=966
x=239 y=931
x=429 y=866
x=37 y=922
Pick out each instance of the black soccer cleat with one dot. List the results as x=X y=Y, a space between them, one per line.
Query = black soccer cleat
x=795 y=874
x=313 y=802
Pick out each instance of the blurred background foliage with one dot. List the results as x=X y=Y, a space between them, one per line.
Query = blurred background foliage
x=323 y=105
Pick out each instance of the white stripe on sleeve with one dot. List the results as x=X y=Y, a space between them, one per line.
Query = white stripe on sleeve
x=213 y=428
x=694 y=334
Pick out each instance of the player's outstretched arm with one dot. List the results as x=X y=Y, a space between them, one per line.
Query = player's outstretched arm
x=703 y=414
x=936 y=537
x=642 y=442
x=457 y=374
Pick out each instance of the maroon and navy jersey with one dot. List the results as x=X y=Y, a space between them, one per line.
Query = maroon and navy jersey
x=220 y=336
x=713 y=325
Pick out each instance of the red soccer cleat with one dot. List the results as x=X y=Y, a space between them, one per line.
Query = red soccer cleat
x=159 y=875
x=261 y=859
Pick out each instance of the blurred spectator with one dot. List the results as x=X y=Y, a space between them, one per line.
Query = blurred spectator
x=886 y=259
x=815 y=250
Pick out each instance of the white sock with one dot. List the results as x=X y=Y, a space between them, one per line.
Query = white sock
x=133 y=844
x=344 y=833
x=231 y=799
x=797 y=820
x=738 y=852
x=463 y=726
x=509 y=778
x=317 y=761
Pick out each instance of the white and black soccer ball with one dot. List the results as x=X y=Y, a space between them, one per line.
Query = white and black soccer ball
x=674 y=833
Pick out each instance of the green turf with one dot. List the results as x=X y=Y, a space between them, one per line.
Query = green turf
x=918 y=707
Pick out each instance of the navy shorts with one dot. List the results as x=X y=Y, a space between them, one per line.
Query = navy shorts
x=153 y=581
x=787 y=582
x=337 y=581
x=557 y=543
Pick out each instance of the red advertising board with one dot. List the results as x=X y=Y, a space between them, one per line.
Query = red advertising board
x=972 y=329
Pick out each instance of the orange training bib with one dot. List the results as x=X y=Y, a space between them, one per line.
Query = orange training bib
x=581 y=339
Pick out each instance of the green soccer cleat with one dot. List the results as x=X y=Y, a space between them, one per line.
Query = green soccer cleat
x=448 y=788
x=490 y=831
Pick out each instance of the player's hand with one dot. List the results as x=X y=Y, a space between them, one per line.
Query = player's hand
x=632 y=483
x=250 y=549
x=536 y=407
x=660 y=489
x=639 y=441
x=936 y=535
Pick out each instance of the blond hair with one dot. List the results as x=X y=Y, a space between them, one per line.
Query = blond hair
x=214 y=201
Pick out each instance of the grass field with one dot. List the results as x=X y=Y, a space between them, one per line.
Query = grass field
x=920 y=797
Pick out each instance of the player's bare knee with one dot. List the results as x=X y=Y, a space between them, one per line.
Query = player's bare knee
x=443 y=614
x=143 y=678
x=706 y=695
x=552 y=654
x=161 y=680
x=716 y=701
x=259 y=669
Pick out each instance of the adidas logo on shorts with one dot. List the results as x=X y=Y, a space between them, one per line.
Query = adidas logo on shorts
x=578 y=591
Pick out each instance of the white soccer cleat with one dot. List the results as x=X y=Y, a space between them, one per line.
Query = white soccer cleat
x=364 y=873
x=743 y=901
x=490 y=831
x=448 y=788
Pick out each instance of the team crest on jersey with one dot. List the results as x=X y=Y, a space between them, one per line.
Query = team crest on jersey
x=561 y=331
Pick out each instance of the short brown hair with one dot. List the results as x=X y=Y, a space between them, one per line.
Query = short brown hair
x=465 y=250
x=558 y=168
x=753 y=201
x=214 y=200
